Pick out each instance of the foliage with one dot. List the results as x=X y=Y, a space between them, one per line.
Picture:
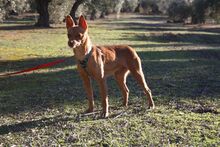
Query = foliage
x=13 y=7
x=198 y=11
x=163 y=5
x=59 y=9
x=129 y=5
x=101 y=8
x=2 y=14
x=149 y=7
x=215 y=9
x=202 y=9
x=178 y=11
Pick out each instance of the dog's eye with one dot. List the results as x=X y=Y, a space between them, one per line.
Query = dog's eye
x=80 y=36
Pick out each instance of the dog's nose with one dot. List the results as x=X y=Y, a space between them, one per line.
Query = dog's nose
x=70 y=43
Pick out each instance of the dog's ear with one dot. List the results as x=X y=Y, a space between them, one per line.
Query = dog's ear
x=83 y=23
x=69 y=22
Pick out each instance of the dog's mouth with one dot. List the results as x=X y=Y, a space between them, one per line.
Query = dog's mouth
x=74 y=44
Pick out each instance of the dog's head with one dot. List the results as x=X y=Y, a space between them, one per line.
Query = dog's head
x=77 y=34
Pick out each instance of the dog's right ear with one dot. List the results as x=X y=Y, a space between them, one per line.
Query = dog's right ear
x=69 y=22
x=83 y=23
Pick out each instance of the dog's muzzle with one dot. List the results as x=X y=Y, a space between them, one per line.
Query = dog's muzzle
x=74 y=43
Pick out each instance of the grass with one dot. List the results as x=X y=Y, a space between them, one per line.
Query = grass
x=44 y=108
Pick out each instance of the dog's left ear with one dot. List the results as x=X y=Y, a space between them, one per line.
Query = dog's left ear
x=69 y=22
x=83 y=23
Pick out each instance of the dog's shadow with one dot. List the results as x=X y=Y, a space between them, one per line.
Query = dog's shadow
x=117 y=112
x=49 y=121
x=40 y=123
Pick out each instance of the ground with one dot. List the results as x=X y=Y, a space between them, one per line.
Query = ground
x=181 y=64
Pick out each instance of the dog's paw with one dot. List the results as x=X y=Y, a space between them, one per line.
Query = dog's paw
x=89 y=111
x=104 y=115
x=151 y=107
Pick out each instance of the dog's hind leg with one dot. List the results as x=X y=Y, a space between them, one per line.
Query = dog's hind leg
x=136 y=70
x=120 y=77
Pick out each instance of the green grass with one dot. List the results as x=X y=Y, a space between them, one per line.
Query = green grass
x=44 y=108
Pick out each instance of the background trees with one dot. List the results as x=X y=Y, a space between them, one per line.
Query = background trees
x=42 y=9
x=179 y=11
x=54 y=11
x=13 y=7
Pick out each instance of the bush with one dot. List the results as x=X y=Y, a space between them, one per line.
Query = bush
x=204 y=9
x=198 y=11
x=214 y=7
x=13 y=7
x=179 y=11
x=58 y=9
x=2 y=14
x=101 y=8
x=129 y=5
x=149 y=7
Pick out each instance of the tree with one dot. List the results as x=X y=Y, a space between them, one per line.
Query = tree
x=74 y=8
x=198 y=11
x=102 y=8
x=215 y=9
x=42 y=9
x=201 y=7
x=179 y=11
x=13 y=7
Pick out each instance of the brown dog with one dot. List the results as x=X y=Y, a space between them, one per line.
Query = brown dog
x=99 y=62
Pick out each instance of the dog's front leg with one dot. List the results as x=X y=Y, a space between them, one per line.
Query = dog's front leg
x=104 y=97
x=88 y=88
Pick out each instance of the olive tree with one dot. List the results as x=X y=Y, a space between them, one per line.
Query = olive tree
x=13 y=7
x=179 y=11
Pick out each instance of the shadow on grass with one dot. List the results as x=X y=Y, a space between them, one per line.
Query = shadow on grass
x=186 y=38
x=143 y=26
x=209 y=30
x=23 y=64
x=170 y=74
x=184 y=74
x=154 y=23
x=23 y=27
x=20 y=23
x=179 y=39
x=144 y=23
x=149 y=45
x=23 y=126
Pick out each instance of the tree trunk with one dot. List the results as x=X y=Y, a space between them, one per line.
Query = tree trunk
x=74 y=9
x=42 y=9
x=93 y=14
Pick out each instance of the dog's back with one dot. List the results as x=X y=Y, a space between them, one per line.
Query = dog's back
x=114 y=58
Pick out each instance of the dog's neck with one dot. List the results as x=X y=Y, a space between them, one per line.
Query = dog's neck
x=84 y=49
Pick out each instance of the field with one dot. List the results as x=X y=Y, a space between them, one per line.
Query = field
x=45 y=107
